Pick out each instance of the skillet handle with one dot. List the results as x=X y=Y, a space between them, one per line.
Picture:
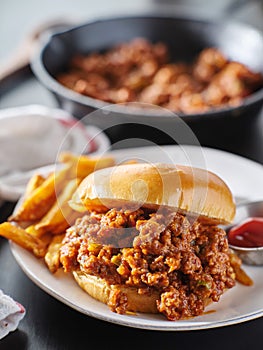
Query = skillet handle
x=20 y=60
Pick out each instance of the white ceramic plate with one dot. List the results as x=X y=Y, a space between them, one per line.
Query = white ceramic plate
x=237 y=305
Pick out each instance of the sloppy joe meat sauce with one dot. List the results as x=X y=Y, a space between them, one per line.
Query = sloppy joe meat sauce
x=186 y=263
x=142 y=71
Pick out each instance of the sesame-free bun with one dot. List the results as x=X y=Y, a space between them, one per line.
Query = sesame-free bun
x=190 y=190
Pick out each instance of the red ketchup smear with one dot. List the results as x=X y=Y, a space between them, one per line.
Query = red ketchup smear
x=249 y=233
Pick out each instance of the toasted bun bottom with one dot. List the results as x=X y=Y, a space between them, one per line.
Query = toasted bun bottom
x=100 y=290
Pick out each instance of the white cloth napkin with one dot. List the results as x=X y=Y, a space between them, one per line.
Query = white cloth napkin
x=11 y=313
x=32 y=136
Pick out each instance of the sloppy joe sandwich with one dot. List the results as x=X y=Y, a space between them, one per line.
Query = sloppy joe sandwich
x=149 y=239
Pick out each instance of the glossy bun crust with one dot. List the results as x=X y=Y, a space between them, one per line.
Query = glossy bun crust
x=193 y=191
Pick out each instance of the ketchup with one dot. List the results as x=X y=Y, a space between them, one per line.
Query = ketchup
x=249 y=233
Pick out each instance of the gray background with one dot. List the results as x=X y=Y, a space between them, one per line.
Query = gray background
x=19 y=17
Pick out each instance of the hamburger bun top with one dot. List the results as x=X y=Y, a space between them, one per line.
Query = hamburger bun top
x=190 y=190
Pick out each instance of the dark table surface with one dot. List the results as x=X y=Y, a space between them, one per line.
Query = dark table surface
x=49 y=324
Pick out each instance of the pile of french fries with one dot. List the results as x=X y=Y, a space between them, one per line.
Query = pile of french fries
x=41 y=219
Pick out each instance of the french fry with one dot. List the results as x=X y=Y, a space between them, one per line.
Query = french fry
x=52 y=256
x=32 y=231
x=40 y=222
x=241 y=275
x=131 y=161
x=36 y=205
x=24 y=239
x=61 y=215
x=84 y=165
x=35 y=233
x=34 y=182
x=68 y=157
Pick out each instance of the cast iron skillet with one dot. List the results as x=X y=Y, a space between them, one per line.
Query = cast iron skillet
x=185 y=37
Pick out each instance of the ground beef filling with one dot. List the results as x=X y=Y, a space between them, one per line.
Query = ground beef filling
x=186 y=263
